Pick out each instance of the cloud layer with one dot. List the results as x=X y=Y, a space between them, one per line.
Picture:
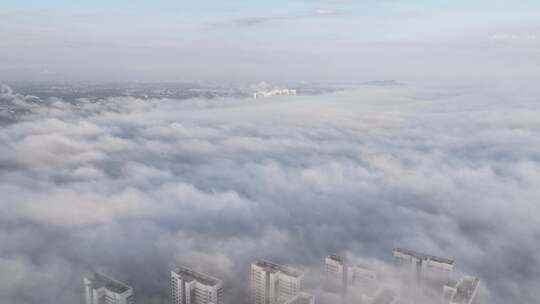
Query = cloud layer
x=133 y=187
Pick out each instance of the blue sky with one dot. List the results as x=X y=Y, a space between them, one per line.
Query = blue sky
x=37 y=35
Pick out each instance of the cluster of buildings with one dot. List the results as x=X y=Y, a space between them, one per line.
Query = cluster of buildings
x=417 y=278
x=277 y=92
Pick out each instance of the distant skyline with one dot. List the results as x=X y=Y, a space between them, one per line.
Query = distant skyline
x=262 y=40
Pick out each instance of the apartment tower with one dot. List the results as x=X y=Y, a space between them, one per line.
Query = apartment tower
x=191 y=287
x=272 y=283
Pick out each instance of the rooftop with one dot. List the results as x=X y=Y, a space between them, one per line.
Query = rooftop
x=336 y=258
x=276 y=267
x=190 y=275
x=100 y=280
x=422 y=256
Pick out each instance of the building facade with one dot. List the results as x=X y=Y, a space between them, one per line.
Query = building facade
x=273 y=283
x=423 y=267
x=343 y=278
x=100 y=289
x=335 y=274
x=362 y=280
x=464 y=292
x=191 y=287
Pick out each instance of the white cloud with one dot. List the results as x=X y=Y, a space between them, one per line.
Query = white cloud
x=133 y=186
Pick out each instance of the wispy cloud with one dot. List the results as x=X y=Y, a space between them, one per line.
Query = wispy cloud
x=525 y=37
x=256 y=20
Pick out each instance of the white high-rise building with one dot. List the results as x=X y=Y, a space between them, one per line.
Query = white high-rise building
x=424 y=267
x=340 y=276
x=100 y=289
x=362 y=281
x=272 y=283
x=335 y=274
x=191 y=287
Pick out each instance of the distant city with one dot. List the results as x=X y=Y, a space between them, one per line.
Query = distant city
x=415 y=278
x=46 y=94
x=74 y=91
x=276 y=92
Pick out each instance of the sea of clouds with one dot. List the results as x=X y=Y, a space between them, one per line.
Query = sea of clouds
x=133 y=187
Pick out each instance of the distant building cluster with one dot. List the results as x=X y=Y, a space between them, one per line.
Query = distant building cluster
x=340 y=276
x=270 y=93
x=435 y=273
x=420 y=279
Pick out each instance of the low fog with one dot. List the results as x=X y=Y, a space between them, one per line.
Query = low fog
x=134 y=187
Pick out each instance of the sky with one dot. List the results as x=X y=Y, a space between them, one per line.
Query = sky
x=267 y=40
x=445 y=162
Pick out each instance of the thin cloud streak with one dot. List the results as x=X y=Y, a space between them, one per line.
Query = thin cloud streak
x=253 y=21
